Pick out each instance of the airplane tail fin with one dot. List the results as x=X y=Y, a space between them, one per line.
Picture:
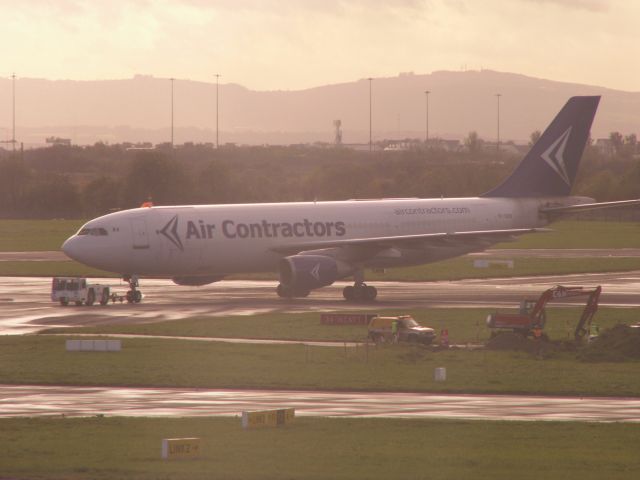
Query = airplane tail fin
x=550 y=167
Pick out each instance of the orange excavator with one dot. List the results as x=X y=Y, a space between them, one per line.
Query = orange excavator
x=532 y=316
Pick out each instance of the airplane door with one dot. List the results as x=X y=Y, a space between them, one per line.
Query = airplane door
x=139 y=231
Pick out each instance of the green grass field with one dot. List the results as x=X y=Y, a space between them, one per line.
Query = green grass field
x=462 y=267
x=182 y=363
x=50 y=269
x=318 y=448
x=35 y=235
x=465 y=325
x=582 y=234
x=389 y=367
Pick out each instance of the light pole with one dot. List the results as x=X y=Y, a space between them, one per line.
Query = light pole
x=217 y=130
x=172 y=79
x=370 y=123
x=13 y=135
x=426 y=138
x=498 y=95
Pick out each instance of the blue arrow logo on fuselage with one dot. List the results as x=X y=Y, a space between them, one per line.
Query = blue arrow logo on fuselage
x=170 y=231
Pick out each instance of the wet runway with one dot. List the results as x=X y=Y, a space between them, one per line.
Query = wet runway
x=25 y=306
x=19 y=401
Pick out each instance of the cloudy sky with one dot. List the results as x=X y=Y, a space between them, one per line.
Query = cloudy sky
x=294 y=44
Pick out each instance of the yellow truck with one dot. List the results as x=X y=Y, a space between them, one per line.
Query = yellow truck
x=407 y=330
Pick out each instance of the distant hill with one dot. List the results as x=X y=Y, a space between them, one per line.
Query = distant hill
x=138 y=109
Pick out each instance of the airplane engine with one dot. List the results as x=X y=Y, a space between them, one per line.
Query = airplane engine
x=301 y=273
x=197 y=281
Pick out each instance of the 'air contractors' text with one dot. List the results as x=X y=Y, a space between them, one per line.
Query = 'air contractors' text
x=230 y=229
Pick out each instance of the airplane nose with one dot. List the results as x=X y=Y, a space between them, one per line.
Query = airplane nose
x=88 y=251
x=70 y=248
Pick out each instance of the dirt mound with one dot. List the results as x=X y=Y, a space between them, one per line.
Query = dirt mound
x=513 y=342
x=616 y=344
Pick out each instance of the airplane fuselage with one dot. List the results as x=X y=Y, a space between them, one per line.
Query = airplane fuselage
x=227 y=239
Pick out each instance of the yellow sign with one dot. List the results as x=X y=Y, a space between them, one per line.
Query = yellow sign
x=267 y=418
x=177 y=448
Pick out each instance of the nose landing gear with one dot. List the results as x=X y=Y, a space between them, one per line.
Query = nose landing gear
x=133 y=295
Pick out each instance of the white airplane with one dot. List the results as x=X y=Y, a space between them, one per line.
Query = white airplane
x=312 y=245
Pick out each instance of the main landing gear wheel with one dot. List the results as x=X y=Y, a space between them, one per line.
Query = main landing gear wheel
x=282 y=291
x=134 y=296
x=360 y=293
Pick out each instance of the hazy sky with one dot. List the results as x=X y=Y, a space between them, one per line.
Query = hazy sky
x=289 y=44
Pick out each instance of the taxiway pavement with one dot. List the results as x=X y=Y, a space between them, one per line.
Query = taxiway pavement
x=25 y=305
x=31 y=401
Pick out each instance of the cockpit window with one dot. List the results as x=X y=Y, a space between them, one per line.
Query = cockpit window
x=95 y=231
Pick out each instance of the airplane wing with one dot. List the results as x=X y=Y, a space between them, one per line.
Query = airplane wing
x=416 y=241
x=589 y=206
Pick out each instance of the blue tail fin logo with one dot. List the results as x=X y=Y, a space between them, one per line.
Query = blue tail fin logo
x=550 y=167
x=554 y=156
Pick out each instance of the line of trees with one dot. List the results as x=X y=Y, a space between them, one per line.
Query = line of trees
x=81 y=182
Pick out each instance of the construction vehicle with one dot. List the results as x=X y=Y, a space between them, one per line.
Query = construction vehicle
x=531 y=319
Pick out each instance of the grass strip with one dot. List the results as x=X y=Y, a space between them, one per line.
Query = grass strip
x=318 y=448
x=462 y=267
x=50 y=269
x=36 y=235
x=581 y=234
x=465 y=325
x=181 y=363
